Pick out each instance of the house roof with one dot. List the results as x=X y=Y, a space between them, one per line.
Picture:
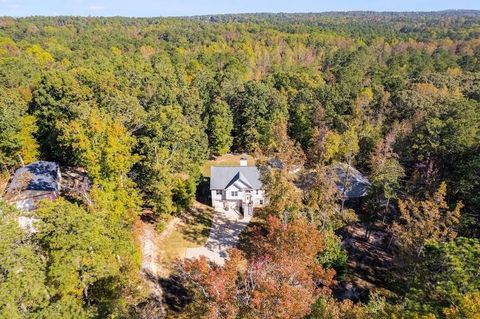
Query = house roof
x=222 y=177
x=37 y=176
x=354 y=185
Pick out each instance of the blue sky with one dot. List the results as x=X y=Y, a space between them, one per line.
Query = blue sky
x=142 y=8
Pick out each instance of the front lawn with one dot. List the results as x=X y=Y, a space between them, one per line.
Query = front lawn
x=192 y=231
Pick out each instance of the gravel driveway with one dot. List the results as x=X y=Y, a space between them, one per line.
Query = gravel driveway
x=226 y=228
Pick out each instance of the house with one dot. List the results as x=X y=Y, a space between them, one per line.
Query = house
x=32 y=183
x=277 y=163
x=350 y=182
x=237 y=188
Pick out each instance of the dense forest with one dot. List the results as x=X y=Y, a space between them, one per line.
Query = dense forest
x=142 y=103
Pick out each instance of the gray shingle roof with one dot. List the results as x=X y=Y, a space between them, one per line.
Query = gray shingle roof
x=356 y=185
x=37 y=176
x=223 y=176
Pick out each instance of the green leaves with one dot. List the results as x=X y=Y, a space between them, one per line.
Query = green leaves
x=220 y=126
x=448 y=272
x=78 y=246
x=23 y=281
x=255 y=108
x=170 y=162
x=87 y=265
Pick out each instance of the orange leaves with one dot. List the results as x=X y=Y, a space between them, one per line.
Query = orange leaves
x=215 y=285
x=280 y=280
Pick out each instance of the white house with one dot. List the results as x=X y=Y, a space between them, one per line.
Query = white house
x=236 y=187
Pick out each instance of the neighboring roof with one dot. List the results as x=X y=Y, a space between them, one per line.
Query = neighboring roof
x=37 y=176
x=277 y=163
x=356 y=185
x=224 y=176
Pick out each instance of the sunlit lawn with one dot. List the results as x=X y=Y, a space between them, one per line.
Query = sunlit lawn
x=226 y=160
x=192 y=232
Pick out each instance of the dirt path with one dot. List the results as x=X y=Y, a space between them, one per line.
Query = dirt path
x=188 y=230
x=169 y=228
x=149 y=247
x=151 y=268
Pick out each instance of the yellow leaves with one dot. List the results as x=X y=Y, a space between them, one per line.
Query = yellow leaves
x=341 y=146
x=427 y=219
x=435 y=93
x=349 y=145
x=66 y=62
x=101 y=144
x=332 y=146
x=366 y=94
x=40 y=55
x=454 y=71
x=116 y=51
x=147 y=51
x=8 y=47
x=469 y=308
x=426 y=89
x=28 y=144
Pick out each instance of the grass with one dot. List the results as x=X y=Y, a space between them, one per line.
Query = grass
x=191 y=232
x=225 y=160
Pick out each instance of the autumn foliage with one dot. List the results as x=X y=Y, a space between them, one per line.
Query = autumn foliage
x=281 y=279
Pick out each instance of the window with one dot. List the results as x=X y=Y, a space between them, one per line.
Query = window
x=256 y=192
x=234 y=193
x=261 y=202
x=219 y=192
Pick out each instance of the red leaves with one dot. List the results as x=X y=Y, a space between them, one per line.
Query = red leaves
x=281 y=280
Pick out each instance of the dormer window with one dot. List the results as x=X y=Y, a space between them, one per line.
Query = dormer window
x=219 y=192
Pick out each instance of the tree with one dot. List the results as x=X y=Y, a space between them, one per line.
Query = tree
x=23 y=281
x=344 y=148
x=444 y=133
x=424 y=220
x=447 y=277
x=322 y=200
x=284 y=197
x=377 y=308
x=100 y=144
x=254 y=109
x=82 y=272
x=317 y=150
x=56 y=100
x=171 y=157
x=468 y=307
x=220 y=126
x=283 y=148
x=281 y=279
x=385 y=176
x=17 y=129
